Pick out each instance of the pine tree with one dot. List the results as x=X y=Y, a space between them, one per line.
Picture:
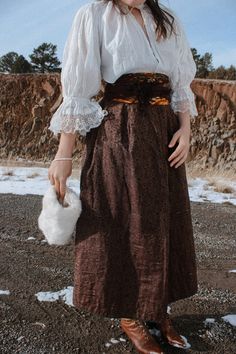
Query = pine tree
x=44 y=58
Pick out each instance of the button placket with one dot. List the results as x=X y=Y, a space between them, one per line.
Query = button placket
x=148 y=36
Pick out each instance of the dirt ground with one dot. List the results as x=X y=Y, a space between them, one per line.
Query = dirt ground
x=28 y=326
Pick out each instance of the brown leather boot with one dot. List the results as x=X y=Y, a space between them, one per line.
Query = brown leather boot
x=169 y=333
x=140 y=336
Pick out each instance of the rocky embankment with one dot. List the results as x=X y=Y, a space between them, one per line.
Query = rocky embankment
x=213 y=142
x=27 y=102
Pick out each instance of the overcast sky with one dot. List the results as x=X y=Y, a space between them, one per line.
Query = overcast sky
x=25 y=24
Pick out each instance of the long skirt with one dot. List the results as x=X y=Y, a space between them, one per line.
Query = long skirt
x=134 y=245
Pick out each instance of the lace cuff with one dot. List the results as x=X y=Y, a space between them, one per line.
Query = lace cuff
x=77 y=114
x=183 y=100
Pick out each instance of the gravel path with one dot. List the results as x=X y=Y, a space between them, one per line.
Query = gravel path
x=29 y=326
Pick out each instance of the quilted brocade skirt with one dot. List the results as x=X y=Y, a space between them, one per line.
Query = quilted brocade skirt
x=134 y=245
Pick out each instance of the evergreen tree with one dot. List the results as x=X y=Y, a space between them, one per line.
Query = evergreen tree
x=204 y=65
x=7 y=62
x=14 y=63
x=218 y=73
x=196 y=56
x=44 y=58
x=22 y=65
x=223 y=73
x=231 y=73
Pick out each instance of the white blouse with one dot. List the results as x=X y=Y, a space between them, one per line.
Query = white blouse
x=104 y=44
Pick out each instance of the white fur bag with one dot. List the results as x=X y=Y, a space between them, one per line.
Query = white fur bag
x=57 y=221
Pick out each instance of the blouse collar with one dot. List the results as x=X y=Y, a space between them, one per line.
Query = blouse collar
x=126 y=7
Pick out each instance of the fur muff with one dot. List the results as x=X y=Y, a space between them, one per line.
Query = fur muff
x=57 y=221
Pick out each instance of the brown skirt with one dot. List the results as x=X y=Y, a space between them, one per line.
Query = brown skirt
x=134 y=245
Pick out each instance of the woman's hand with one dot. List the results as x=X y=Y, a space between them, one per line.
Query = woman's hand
x=182 y=136
x=60 y=170
x=58 y=173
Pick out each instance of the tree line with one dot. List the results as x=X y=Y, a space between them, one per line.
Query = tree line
x=206 y=70
x=44 y=60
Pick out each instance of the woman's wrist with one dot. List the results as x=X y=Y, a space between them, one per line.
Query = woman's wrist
x=184 y=119
x=63 y=153
x=62 y=159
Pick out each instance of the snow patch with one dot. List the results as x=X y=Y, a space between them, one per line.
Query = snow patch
x=209 y=320
x=34 y=180
x=230 y=319
x=28 y=180
x=114 y=341
x=155 y=332
x=200 y=191
x=122 y=339
x=108 y=344
x=20 y=338
x=187 y=344
x=65 y=294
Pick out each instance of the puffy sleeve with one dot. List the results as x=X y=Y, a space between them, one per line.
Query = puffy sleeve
x=182 y=96
x=80 y=77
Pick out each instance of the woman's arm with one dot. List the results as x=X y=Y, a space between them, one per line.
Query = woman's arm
x=60 y=170
x=182 y=99
x=185 y=120
x=80 y=76
x=81 y=80
x=66 y=145
x=183 y=73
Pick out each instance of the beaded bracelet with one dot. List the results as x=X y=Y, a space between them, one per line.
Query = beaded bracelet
x=62 y=158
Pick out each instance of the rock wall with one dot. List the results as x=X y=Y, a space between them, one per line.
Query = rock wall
x=213 y=140
x=26 y=105
x=27 y=102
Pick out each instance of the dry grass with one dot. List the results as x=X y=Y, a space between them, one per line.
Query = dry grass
x=11 y=163
x=8 y=172
x=219 y=186
x=217 y=180
x=33 y=175
x=225 y=189
x=194 y=171
x=220 y=180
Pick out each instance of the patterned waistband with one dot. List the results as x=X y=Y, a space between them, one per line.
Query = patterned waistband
x=145 y=88
x=143 y=77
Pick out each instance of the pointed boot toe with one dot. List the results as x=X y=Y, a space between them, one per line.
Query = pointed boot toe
x=170 y=334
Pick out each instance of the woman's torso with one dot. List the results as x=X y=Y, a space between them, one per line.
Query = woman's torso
x=124 y=46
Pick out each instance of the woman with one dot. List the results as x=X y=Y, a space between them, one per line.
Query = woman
x=134 y=248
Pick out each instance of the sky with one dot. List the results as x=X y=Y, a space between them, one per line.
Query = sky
x=25 y=24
